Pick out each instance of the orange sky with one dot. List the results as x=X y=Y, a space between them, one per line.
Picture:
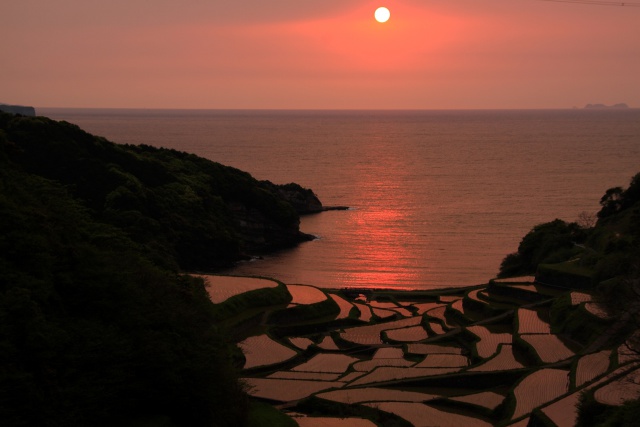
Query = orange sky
x=318 y=54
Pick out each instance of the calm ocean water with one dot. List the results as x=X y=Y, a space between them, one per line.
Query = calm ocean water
x=438 y=197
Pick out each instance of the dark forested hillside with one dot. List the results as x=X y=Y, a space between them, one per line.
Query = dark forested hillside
x=601 y=255
x=179 y=206
x=97 y=326
x=601 y=248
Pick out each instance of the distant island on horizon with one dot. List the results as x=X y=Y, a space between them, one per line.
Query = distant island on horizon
x=31 y=111
x=621 y=105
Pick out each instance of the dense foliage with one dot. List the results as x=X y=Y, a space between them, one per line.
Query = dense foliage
x=617 y=199
x=554 y=241
x=604 y=257
x=97 y=326
x=181 y=208
x=91 y=330
x=606 y=251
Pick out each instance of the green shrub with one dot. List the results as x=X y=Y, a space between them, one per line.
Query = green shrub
x=549 y=242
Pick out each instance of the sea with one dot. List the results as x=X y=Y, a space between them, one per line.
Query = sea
x=436 y=198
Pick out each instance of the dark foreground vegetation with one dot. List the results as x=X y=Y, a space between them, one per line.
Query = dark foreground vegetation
x=97 y=326
x=600 y=254
x=183 y=211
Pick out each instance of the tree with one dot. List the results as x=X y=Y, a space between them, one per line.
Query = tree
x=611 y=202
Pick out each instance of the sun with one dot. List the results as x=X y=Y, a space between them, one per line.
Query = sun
x=382 y=14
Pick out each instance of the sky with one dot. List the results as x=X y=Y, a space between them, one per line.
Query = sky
x=318 y=54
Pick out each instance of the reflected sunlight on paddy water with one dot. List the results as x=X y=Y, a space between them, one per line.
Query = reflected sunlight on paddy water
x=438 y=198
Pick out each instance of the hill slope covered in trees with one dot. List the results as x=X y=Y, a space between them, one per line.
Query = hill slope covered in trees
x=97 y=325
x=182 y=207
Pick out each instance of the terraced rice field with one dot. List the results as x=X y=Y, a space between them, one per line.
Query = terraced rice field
x=351 y=376
x=370 y=365
x=315 y=376
x=370 y=334
x=444 y=361
x=328 y=343
x=426 y=306
x=305 y=294
x=284 y=390
x=384 y=304
x=503 y=361
x=383 y=313
x=262 y=351
x=372 y=394
x=564 y=412
x=336 y=374
x=580 y=297
x=473 y=295
x=591 y=366
x=389 y=353
x=221 y=288
x=365 y=312
x=620 y=390
x=383 y=357
x=529 y=322
x=432 y=349
x=549 y=347
x=486 y=399
x=332 y=422
x=489 y=342
x=385 y=374
x=332 y=363
x=596 y=309
x=438 y=313
x=345 y=306
x=300 y=342
x=625 y=354
x=411 y=334
x=436 y=328
x=391 y=306
x=458 y=306
x=538 y=388
x=418 y=414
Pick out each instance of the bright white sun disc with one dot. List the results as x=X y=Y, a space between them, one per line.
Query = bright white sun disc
x=382 y=14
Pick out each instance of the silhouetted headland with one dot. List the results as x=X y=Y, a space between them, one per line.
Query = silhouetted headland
x=18 y=109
